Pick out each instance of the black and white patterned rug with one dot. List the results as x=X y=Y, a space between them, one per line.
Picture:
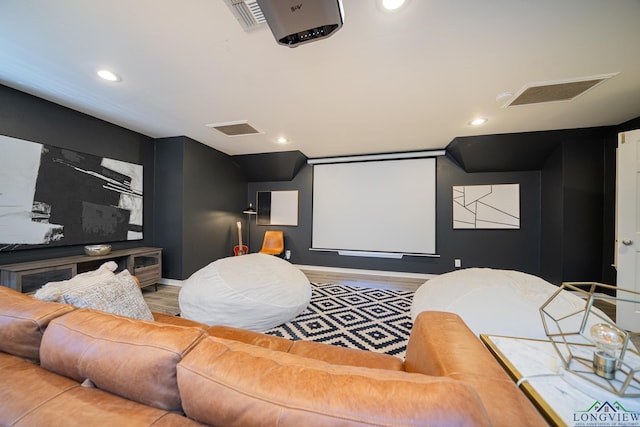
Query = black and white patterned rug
x=366 y=318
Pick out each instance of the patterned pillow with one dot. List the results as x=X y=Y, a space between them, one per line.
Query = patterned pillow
x=54 y=291
x=118 y=295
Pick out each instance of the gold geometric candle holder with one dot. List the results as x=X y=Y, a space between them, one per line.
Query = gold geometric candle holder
x=589 y=343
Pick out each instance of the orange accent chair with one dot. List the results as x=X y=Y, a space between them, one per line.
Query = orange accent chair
x=273 y=243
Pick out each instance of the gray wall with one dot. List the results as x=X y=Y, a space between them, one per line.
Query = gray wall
x=34 y=119
x=516 y=249
x=567 y=216
x=505 y=249
x=168 y=204
x=194 y=194
x=200 y=194
x=578 y=187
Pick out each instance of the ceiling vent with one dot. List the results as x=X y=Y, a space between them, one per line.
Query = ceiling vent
x=239 y=128
x=247 y=12
x=556 y=91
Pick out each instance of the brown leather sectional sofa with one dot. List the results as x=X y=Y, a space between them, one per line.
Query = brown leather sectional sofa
x=61 y=366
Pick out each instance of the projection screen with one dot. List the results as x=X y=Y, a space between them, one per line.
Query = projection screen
x=377 y=206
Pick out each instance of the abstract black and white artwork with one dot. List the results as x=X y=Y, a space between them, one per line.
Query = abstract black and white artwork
x=486 y=206
x=52 y=196
x=277 y=208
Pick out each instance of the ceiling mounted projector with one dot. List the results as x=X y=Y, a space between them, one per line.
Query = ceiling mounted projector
x=296 y=22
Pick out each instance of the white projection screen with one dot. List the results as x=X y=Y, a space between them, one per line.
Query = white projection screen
x=378 y=206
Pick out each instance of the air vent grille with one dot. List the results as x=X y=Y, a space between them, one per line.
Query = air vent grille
x=239 y=128
x=247 y=12
x=556 y=91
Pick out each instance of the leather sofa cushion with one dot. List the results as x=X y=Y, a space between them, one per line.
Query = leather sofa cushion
x=131 y=358
x=33 y=396
x=251 y=337
x=86 y=407
x=175 y=320
x=23 y=321
x=314 y=350
x=25 y=386
x=346 y=356
x=229 y=383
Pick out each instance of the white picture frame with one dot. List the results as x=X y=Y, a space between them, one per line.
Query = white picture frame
x=277 y=208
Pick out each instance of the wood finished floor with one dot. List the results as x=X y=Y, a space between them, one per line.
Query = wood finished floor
x=165 y=299
x=364 y=280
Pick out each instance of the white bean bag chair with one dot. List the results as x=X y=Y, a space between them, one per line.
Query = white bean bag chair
x=495 y=302
x=254 y=291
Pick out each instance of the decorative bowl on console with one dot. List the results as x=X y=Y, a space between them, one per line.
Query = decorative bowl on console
x=95 y=250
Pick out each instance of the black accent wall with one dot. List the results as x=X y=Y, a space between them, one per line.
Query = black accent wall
x=193 y=196
x=200 y=195
x=515 y=249
x=280 y=166
x=567 y=202
x=505 y=249
x=34 y=119
x=574 y=218
x=504 y=152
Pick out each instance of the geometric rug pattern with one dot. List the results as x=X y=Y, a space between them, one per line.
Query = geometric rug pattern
x=354 y=317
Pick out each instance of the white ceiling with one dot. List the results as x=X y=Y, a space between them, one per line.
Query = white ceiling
x=385 y=82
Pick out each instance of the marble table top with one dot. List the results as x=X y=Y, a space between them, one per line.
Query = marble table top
x=564 y=397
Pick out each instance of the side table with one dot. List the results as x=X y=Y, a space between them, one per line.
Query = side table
x=563 y=398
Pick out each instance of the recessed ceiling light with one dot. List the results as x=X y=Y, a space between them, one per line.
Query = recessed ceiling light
x=392 y=5
x=282 y=140
x=109 y=75
x=479 y=121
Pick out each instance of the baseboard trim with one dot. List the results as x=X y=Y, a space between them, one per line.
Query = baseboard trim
x=171 y=282
x=336 y=270
x=381 y=273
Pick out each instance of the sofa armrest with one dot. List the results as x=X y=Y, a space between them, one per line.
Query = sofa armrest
x=442 y=344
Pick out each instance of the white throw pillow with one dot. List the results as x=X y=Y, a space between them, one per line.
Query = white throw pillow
x=54 y=291
x=119 y=294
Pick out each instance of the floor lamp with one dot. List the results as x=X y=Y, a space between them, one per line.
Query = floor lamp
x=249 y=211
